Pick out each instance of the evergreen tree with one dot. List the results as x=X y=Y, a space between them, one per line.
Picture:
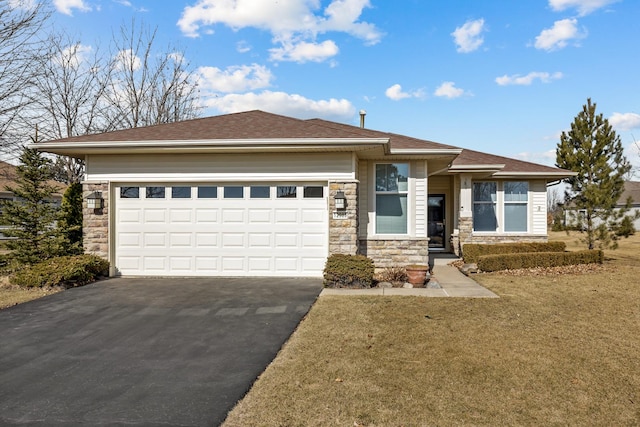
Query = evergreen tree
x=70 y=222
x=32 y=216
x=593 y=150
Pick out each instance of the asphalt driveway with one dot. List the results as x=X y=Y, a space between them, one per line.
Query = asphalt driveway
x=177 y=352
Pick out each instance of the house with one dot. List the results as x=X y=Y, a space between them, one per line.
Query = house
x=8 y=177
x=255 y=193
x=631 y=189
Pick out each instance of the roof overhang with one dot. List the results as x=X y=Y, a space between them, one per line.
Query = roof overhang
x=81 y=149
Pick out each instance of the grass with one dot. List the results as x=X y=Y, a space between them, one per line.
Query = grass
x=11 y=295
x=553 y=350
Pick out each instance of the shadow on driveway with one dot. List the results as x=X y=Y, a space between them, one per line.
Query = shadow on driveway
x=142 y=351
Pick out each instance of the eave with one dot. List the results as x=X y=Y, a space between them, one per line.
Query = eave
x=81 y=149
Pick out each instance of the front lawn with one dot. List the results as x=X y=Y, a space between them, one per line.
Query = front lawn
x=555 y=349
x=11 y=294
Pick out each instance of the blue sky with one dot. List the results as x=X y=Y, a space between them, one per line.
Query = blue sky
x=500 y=76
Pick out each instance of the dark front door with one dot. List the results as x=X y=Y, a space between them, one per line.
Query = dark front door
x=436 y=221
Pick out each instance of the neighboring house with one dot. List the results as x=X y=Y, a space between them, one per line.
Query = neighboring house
x=256 y=193
x=8 y=177
x=631 y=189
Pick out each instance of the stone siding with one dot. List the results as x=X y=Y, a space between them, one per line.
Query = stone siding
x=95 y=223
x=395 y=253
x=343 y=231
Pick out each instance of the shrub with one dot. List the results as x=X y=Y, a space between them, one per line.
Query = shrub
x=348 y=271
x=516 y=261
x=471 y=251
x=66 y=271
x=397 y=276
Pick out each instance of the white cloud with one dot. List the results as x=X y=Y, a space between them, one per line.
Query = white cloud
x=543 y=158
x=558 y=36
x=283 y=103
x=395 y=93
x=243 y=46
x=239 y=78
x=22 y=4
x=304 y=51
x=584 y=7
x=625 y=121
x=67 y=6
x=73 y=55
x=517 y=79
x=291 y=23
x=469 y=37
x=449 y=90
x=127 y=59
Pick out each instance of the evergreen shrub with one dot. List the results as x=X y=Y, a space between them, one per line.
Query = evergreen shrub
x=514 y=261
x=348 y=271
x=471 y=251
x=65 y=271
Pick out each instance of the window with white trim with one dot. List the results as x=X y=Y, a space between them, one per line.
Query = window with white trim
x=484 y=206
x=501 y=206
x=392 y=189
x=516 y=206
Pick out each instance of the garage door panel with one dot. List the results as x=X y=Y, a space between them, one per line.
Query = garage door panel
x=154 y=240
x=206 y=240
x=180 y=216
x=204 y=216
x=180 y=240
x=218 y=236
x=233 y=216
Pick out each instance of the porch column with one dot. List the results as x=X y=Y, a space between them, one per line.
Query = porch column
x=465 y=218
x=343 y=225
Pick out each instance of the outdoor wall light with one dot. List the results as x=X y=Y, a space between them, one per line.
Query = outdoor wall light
x=341 y=200
x=95 y=200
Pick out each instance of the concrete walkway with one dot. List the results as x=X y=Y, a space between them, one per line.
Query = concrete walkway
x=451 y=281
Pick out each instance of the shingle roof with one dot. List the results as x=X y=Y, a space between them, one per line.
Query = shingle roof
x=631 y=189
x=8 y=176
x=258 y=124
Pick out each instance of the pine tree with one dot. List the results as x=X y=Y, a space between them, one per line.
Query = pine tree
x=32 y=216
x=70 y=222
x=593 y=150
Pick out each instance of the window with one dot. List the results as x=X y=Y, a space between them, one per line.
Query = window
x=129 y=192
x=484 y=206
x=260 y=192
x=516 y=197
x=286 y=192
x=180 y=192
x=207 y=192
x=313 y=192
x=235 y=192
x=155 y=193
x=392 y=187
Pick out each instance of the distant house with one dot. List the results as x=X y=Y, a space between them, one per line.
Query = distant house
x=631 y=189
x=261 y=194
x=8 y=179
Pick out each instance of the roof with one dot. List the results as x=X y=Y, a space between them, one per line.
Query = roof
x=8 y=176
x=631 y=189
x=276 y=132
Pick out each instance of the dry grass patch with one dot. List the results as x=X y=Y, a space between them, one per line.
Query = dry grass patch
x=553 y=350
x=11 y=295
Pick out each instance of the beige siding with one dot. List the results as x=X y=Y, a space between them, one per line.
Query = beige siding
x=363 y=198
x=420 y=211
x=539 y=207
x=193 y=167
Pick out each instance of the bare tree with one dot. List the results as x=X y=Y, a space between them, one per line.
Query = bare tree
x=83 y=91
x=21 y=23
x=69 y=98
x=147 y=88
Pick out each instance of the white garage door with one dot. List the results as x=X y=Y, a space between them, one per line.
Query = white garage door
x=226 y=230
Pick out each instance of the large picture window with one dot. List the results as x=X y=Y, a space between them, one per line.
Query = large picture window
x=484 y=206
x=516 y=197
x=392 y=188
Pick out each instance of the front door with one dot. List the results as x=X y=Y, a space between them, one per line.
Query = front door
x=436 y=221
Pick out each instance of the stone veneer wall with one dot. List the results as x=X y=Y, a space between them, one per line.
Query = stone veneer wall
x=343 y=232
x=395 y=253
x=95 y=223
